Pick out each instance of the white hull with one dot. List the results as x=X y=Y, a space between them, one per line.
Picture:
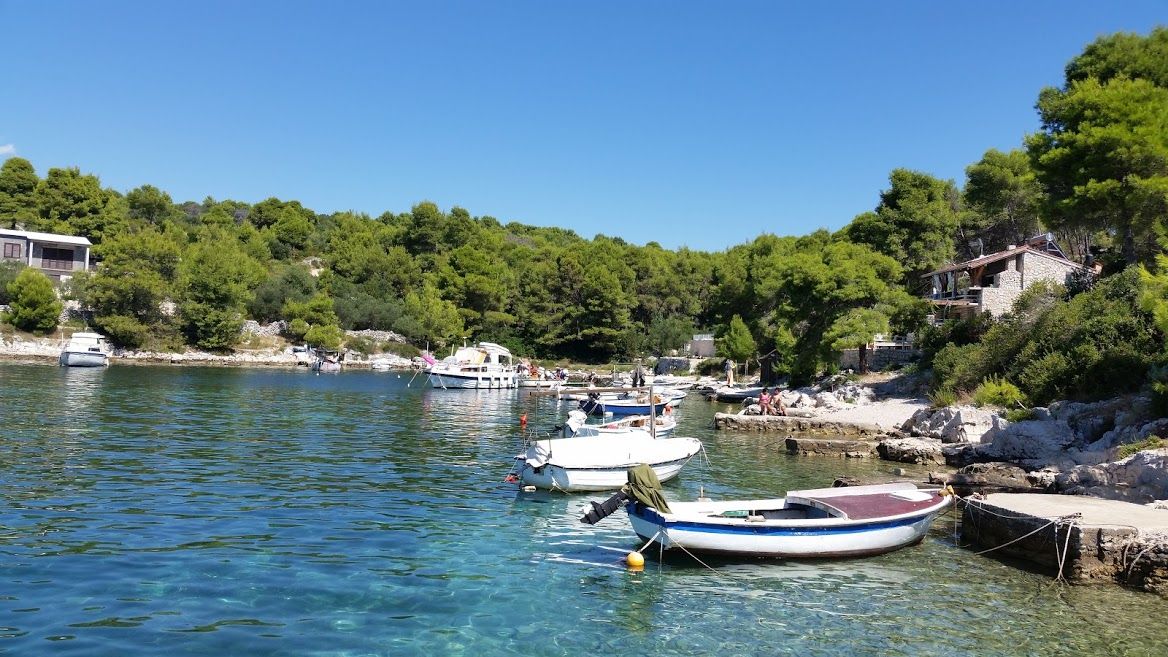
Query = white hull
x=83 y=359
x=699 y=527
x=539 y=383
x=595 y=463
x=446 y=379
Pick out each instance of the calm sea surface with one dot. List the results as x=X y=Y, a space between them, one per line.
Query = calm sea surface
x=167 y=511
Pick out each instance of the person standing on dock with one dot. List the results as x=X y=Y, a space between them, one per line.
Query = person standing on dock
x=729 y=372
x=639 y=375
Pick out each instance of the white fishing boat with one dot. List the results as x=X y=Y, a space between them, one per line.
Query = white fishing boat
x=583 y=458
x=485 y=365
x=662 y=425
x=848 y=521
x=85 y=350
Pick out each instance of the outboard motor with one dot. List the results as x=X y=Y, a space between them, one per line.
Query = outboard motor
x=602 y=510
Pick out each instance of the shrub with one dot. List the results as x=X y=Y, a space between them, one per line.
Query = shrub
x=942 y=397
x=123 y=330
x=403 y=349
x=710 y=367
x=34 y=302
x=327 y=336
x=1151 y=442
x=1021 y=414
x=996 y=391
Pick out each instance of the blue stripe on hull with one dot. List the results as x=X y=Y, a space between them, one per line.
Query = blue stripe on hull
x=653 y=517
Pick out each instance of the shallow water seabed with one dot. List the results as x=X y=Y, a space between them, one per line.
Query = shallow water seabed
x=206 y=511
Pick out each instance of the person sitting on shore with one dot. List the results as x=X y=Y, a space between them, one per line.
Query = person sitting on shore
x=764 y=401
x=777 y=406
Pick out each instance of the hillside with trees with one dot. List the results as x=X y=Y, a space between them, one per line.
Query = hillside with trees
x=175 y=273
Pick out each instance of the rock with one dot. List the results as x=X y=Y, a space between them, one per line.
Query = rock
x=996 y=476
x=953 y=424
x=911 y=450
x=1031 y=441
x=1140 y=478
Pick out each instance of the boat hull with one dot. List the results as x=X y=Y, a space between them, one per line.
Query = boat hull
x=579 y=480
x=621 y=407
x=440 y=379
x=601 y=462
x=83 y=359
x=803 y=539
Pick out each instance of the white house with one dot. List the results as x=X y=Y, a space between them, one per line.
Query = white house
x=58 y=256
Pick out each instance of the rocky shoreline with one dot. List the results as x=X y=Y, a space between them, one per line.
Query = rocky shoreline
x=1108 y=457
x=49 y=349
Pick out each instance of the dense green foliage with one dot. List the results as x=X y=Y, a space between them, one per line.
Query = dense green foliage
x=1096 y=174
x=1097 y=344
x=33 y=302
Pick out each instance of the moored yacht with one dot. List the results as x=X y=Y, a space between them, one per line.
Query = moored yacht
x=85 y=350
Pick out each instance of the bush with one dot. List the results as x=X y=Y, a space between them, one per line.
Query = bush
x=942 y=397
x=328 y=336
x=1021 y=414
x=996 y=391
x=1151 y=442
x=711 y=367
x=123 y=330
x=34 y=302
x=403 y=349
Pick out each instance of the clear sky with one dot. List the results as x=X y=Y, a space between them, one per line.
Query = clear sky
x=686 y=123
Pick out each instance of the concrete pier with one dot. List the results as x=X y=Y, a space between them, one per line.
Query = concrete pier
x=1094 y=540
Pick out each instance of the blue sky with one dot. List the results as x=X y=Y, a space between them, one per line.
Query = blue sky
x=696 y=124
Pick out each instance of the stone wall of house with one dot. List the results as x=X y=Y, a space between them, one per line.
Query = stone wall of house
x=1038 y=268
x=878 y=359
x=998 y=301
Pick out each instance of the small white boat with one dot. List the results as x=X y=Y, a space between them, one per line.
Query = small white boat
x=592 y=460
x=662 y=425
x=848 y=521
x=629 y=404
x=85 y=350
x=485 y=365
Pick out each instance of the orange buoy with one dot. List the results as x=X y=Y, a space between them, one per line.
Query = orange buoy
x=523 y=420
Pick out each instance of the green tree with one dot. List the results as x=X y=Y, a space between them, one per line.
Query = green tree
x=1102 y=158
x=856 y=329
x=18 y=183
x=438 y=320
x=1004 y=198
x=1123 y=55
x=216 y=280
x=72 y=203
x=915 y=223
x=289 y=283
x=666 y=334
x=737 y=343
x=137 y=275
x=149 y=204
x=820 y=283
x=33 y=302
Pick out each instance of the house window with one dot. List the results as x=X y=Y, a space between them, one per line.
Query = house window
x=11 y=250
x=56 y=258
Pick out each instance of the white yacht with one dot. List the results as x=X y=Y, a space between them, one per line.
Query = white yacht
x=485 y=365
x=85 y=350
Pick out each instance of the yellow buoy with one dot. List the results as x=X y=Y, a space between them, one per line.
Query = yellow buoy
x=635 y=560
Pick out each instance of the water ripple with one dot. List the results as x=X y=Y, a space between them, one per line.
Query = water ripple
x=280 y=513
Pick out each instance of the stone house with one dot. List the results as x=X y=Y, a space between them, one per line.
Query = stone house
x=702 y=345
x=57 y=256
x=991 y=283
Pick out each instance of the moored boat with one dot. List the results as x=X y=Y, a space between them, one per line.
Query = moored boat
x=627 y=404
x=848 y=521
x=85 y=350
x=485 y=365
x=582 y=458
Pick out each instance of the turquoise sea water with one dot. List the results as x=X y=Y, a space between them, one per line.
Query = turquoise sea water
x=154 y=510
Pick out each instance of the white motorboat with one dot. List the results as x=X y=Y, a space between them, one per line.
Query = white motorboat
x=591 y=459
x=485 y=365
x=847 y=521
x=85 y=350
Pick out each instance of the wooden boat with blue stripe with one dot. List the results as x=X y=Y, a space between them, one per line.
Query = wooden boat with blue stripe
x=848 y=521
